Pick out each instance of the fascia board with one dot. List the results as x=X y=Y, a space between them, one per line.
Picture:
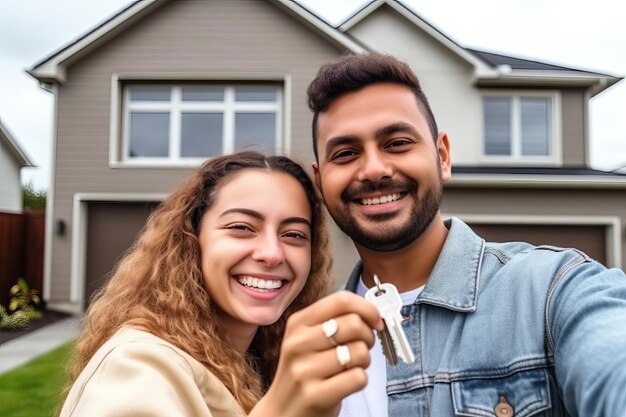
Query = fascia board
x=535 y=181
x=322 y=26
x=53 y=69
x=16 y=150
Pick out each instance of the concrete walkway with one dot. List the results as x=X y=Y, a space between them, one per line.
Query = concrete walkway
x=18 y=351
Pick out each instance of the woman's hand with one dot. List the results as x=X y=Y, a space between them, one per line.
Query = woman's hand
x=311 y=379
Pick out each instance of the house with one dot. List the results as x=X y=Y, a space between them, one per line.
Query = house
x=12 y=160
x=162 y=85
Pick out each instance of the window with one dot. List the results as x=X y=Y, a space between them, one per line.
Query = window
x=187 y=122
x=519 y=127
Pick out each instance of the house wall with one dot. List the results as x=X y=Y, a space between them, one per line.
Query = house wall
x=10 y=183
x=445 y=77
x=574 y=127
x=214 y=39
x=583 y=206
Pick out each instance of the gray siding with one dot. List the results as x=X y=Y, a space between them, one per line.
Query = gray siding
x=574 y=127
x=242 y=38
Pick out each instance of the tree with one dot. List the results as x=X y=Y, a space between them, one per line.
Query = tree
x=33 y=199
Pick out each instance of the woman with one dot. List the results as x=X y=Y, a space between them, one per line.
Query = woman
x=193 y=317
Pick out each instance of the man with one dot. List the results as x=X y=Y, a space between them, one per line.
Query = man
x=496 y=328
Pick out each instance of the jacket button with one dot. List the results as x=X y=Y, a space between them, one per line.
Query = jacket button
x=503 y=409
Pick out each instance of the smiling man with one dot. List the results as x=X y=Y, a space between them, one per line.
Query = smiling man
x=496 y=328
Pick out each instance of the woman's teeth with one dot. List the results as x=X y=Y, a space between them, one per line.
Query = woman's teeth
x=260 y=284
x=380 y=200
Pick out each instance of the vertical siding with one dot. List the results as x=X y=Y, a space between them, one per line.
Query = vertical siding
x=574 y=127
x=213 y=38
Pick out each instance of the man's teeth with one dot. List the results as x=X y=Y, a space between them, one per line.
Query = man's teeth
x=262 y=284
x=380 y=200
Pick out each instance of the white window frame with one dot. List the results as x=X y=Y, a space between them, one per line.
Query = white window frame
x=119 y=151
x=516 y=158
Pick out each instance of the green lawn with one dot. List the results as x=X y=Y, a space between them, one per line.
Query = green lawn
x=33 y=389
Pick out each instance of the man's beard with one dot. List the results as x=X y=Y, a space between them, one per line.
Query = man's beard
x=377 y=238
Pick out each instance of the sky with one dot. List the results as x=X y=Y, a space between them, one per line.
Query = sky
x=572 y=33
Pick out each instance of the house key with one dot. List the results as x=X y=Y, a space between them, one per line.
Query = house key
x=395 y=344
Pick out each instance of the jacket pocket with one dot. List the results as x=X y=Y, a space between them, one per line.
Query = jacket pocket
x=522 y=394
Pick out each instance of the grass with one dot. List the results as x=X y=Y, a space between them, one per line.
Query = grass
x=33 y=389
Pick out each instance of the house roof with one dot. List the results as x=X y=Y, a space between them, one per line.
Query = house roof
x=52 y=70
x=13 y=147
x=493 y=69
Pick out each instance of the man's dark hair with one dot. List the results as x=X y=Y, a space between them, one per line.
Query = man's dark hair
x=355 y=71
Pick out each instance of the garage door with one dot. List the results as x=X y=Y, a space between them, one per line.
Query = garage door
x=589 y=239
x=111 y=229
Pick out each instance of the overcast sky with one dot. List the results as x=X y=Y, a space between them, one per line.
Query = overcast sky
x=566 y=32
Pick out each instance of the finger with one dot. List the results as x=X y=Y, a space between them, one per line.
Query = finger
x=330 y=392
x=349 y=328
x=337 y=304
x=325 y=364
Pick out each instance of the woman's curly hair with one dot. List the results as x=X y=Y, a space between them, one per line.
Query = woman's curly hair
x=158 y=285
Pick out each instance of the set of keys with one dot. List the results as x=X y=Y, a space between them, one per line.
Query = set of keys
x=392 y=337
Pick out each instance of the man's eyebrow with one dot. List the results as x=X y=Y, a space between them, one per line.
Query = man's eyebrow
x=339 y=141
x=257 y=215
x=395 y=128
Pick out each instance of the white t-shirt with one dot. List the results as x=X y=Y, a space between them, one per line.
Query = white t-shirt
x=371 y=401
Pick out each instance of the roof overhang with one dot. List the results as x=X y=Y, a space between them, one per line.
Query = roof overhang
x=53 y=70
x=13 y=147
x=481 y=68
x=536 y=181
x=595 y=83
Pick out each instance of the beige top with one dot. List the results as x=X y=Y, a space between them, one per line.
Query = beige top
x=136 y=373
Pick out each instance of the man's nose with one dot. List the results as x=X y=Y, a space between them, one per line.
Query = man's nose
x=374 y=167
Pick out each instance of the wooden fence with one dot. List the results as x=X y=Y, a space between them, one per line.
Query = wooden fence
x=21 y=250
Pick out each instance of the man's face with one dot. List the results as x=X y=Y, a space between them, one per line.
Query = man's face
x=380 y=171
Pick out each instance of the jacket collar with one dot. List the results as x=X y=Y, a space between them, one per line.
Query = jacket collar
x=454 y=281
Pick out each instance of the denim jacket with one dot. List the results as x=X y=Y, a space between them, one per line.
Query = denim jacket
x=510 y=329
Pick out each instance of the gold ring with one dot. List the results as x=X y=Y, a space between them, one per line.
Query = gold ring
x=330 y=328
x=343 y=355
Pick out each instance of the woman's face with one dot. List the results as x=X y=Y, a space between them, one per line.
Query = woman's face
x=255 y=245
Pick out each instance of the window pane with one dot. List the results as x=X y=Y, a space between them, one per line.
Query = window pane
x=150 y=93
x=199 y=93
x=201 y=134
x=255 y=94
x=535 y=126
x=149 y=134
x=255 y=131
x=497 y=124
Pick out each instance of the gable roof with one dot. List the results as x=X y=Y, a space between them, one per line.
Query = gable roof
x=52 y=70
x=491 y=68
x=13 y=147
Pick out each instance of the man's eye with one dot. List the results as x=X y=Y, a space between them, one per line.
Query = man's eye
x=398 y=142
x=343 y=154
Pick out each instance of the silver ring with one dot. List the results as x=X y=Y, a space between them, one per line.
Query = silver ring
x=330 y=328
x=343 y=355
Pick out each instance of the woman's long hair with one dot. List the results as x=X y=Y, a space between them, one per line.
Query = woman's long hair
x=158 y=285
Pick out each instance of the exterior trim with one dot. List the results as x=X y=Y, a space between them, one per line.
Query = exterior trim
x=481 y=69
x=535 y=181
x=116 y=104
x=13 y=147
x=612 y=223
x=79 y=236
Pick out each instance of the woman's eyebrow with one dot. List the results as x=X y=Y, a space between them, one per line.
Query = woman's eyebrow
x=257 y=215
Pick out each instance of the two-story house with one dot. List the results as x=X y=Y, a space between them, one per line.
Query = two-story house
x=163 y=85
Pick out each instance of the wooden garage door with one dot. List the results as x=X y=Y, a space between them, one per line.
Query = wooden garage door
x=111 y=229
x=589 y=239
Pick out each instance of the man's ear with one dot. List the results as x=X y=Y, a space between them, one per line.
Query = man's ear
x=443 y=150
x=316 y=176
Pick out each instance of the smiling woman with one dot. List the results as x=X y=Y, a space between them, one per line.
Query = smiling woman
x=194 y=317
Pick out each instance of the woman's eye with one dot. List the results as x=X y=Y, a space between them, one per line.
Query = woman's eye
x=239 y=226
x=296 y=235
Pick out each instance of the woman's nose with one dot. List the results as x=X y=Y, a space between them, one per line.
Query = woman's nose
x=269 y=251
